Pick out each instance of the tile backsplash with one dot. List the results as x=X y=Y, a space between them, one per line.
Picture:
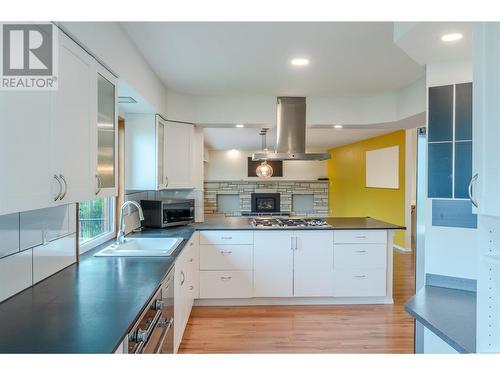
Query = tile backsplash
x=39 y=241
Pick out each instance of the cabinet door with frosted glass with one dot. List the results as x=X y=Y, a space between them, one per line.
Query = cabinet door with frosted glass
x=107 y=134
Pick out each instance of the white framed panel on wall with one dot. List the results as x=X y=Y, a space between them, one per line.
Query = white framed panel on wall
x=382 y=168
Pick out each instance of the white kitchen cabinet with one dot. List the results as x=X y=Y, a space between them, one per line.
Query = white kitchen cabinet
x=359 y=283
x=158 y=153
x=313 y=264
x=226 y=284
x=486 y=119
x=226 y=257
x=53 y=257
x=74 y=113
x=360 y=256
x=48 y=157
x=227 y=237
x=185 y=289
x=25 y=164
x=273 y=264
x=105 y=135
x=178 y=158
x=15 y=274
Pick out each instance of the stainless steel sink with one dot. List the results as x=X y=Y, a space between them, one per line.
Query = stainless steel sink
x=142 y=247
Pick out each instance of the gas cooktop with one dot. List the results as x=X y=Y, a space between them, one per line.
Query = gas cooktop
x=275 y=222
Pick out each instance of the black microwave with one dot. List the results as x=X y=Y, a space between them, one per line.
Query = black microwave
x=167 y=212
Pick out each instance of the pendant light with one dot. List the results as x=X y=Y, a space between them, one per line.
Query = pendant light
x=264 y=170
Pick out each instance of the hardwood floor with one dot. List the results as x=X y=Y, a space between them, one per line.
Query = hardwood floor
x=308 y=329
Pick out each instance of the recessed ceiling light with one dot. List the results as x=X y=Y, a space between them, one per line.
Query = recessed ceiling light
x=451 y=37
x=338 y=126
x=240 y=125
x=300 y=61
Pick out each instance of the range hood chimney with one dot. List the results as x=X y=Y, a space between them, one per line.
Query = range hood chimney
x=291 y=133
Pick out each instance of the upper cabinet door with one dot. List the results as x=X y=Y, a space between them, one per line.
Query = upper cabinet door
x=485 y=186
x=25 y=168
x=178 y=155
x=106 y=177
x=74 y=113
x=161 y=181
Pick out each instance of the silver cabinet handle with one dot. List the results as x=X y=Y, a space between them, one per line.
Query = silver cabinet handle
x=225 y=278
x=99 y=184
x=470 y=189
x=226 y=238
x=166 y=181
x=183 y=278
x=65 y=187
x=360 y=237
x=296 y=243
x=191 y=260
x=360 y=276
x=360 y=251
x=56 y=177
x=225 y=252
x=291 y=244
x=191 y=287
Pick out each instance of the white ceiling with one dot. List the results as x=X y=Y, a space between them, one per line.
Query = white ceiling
x=245 y=58
x=317 y=139
x=422 y=42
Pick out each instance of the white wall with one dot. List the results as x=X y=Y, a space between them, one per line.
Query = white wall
x=110 y=43
x=232 y=165
x=364 y=110
x=449 y=251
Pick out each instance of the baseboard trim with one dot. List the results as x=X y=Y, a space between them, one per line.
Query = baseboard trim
x=401 y=249
x=294 y=301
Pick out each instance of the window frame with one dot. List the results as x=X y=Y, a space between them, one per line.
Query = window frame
x=83 y=247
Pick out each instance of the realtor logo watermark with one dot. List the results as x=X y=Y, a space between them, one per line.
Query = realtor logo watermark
x=29 y=56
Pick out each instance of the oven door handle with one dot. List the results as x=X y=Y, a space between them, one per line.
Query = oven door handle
x=147 y=334
x=166 y=328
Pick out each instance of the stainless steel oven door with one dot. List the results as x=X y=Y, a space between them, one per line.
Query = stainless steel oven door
x=154 y=331
x=161 y=339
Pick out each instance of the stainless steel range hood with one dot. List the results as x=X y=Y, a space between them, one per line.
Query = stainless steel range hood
x=291 y=133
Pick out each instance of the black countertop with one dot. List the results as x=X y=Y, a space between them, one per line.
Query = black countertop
x=88 y=307
x=345 y=223
x=449 y=313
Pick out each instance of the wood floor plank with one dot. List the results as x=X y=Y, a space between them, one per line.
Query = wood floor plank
x=308 y=329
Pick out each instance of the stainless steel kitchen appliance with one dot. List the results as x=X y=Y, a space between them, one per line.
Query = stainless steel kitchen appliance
x=153 y=333
x=167 y=212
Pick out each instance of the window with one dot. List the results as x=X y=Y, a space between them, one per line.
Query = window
x=96 y=222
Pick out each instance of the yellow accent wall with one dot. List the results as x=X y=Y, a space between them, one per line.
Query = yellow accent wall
x=349 y=195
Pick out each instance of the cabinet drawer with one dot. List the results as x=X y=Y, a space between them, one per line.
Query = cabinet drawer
x=359 y=283
x=360 y=256
x=226 y=237
x=360 y=236
x=225 y=284
x=226 y=257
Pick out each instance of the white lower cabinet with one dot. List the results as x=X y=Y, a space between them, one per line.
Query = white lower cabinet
x=294 y=263
x=313 y=264
x=186 y=287
x=225 y=284
x=15 y=274
x=359 y=283
x=56 y=255
x=226 y=257
x=273 y=264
